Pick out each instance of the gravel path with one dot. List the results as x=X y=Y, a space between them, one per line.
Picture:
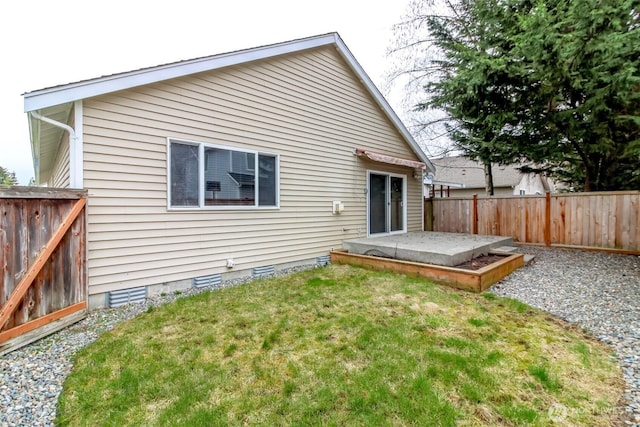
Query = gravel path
x=600 y=292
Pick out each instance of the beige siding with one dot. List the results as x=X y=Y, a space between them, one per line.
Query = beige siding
x=309 y=108
x=61 y=177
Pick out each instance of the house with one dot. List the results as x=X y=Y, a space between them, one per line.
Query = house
x=227 y=166
x=459 y=176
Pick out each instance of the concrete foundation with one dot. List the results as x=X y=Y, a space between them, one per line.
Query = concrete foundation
x=428 y=247
x=231 y=276
x=168 y=288
x=98 y=301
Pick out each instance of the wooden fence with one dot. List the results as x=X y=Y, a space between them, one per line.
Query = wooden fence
x=606 y=220
x=43 y=286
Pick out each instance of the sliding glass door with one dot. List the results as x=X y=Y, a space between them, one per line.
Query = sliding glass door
x=386 y=203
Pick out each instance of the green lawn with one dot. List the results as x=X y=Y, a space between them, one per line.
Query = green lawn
x=340 y=345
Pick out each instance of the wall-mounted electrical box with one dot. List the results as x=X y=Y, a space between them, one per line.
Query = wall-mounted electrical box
x=338 y=207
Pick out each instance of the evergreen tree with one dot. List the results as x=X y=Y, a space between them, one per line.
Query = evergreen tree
x=584 y=75
x=552 y=82
x=474 y=84
x=7 y=178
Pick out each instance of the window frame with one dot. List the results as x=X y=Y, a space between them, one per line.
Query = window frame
x=405 y=200
x=201 y=176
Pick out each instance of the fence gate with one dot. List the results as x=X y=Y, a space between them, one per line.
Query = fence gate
x=43 y=285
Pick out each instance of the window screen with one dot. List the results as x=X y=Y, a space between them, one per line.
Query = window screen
x=184 y=175
x=267 y=180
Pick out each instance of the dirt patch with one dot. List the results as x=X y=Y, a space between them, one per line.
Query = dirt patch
x=481 y=261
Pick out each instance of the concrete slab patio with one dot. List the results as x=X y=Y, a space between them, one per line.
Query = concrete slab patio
x=448 y=249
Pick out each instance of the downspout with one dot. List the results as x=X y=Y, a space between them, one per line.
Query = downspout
x=73 y=142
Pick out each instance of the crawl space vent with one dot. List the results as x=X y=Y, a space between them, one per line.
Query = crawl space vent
x=203 y=281
x=323 y=260
x=264 y=271
x=126 y=296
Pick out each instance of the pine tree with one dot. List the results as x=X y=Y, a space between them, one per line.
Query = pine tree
x=585 y=78
x=7 y=178
x=555 y=83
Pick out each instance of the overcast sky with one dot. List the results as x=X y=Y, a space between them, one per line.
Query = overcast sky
x=47 y=43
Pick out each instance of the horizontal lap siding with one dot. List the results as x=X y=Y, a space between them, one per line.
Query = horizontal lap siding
x=308 y=108
x=60 y=177
x=469 y=192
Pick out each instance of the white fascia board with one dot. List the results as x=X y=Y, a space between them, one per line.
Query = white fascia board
x=81 y=90
x=94 y=87
x=448 y=184
x=382 y=102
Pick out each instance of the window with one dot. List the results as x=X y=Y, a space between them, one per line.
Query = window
x=184 y=175
x=206 y=175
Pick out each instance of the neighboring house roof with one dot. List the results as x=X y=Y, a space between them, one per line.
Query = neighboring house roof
x=57 y=102
x=462 y=172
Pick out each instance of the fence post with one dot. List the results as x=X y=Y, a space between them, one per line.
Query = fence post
x=428 y=214
x=475 y=214
x=547 y=219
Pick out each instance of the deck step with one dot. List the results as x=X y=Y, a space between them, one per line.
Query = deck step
x=514 y=249
x=506 y=249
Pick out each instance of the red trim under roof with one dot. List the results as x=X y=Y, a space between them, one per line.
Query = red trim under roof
x=385 y=158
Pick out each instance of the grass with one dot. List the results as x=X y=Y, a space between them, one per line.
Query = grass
x=340 y=345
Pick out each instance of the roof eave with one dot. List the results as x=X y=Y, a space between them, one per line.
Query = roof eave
x=88 y=88
x=382 y=102
x=44 y=98
x=449 y=184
